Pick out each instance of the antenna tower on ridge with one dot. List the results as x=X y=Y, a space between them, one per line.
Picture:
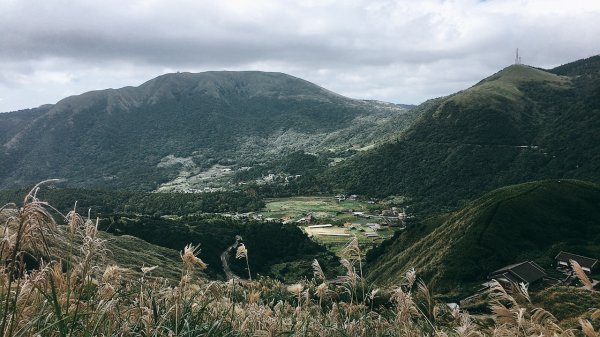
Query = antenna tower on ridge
x=517 y=57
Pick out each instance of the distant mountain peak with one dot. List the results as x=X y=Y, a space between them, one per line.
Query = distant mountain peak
x=506 y=83
x=120 y=136
x=247 y=84
x=518 y=73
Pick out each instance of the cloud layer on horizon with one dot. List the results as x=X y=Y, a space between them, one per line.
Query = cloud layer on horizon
x=399 y=51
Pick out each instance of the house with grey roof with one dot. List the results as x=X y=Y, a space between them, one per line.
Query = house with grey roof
x=527 y=272
x=588 y=264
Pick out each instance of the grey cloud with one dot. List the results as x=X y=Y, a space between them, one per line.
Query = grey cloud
x=402 y=51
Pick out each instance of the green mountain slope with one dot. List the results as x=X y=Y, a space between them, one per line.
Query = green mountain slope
x=275 y=250
x=518 y=125
x=126 y=251
x=496 y=111
x=180 y=125
x=533 y=220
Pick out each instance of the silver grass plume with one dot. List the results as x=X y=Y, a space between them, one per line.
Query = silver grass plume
x=317 y=271
x=581 y=275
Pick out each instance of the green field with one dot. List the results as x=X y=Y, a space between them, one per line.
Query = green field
x=322 y=208
x=336 y=243
x=327 y=210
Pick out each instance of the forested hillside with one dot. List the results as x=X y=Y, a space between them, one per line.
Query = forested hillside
x=518 y=125
x=182 y=125
x=531 y=221
x=100 y=202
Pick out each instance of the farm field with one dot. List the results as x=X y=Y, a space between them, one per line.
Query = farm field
x=327 y=210
x=335 y=238
x=322 y=208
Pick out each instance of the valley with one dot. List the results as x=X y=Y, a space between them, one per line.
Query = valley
x=333 y=221
x=279 y=182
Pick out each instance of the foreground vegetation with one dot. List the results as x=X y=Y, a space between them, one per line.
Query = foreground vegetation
x=53 y=293
x=279 y=251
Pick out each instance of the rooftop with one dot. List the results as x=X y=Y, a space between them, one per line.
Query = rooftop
x=584 y=262
x=527 y=271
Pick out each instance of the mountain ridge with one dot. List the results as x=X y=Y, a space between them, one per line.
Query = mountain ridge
x=488 y=136
x=119 y=137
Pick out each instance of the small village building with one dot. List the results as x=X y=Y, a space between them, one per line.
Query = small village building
x=527 y=272
x=361 y=215
x=588 y=264
x=321 y=226
x=305 y=220
x=334 y=234
x=374 y=226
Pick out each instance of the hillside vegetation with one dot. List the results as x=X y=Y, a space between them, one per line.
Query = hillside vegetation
x=177 y=127
x=530 y=221
x=279 y=251
x=518 y=125
x=102 y=203
x=74 y=292
x=127 y=251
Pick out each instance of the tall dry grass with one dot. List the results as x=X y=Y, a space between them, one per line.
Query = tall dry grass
x=44 y=292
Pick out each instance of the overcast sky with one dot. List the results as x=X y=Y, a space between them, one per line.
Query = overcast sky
x=403 y=51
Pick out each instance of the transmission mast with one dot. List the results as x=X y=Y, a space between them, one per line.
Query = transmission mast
x=517 y=57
